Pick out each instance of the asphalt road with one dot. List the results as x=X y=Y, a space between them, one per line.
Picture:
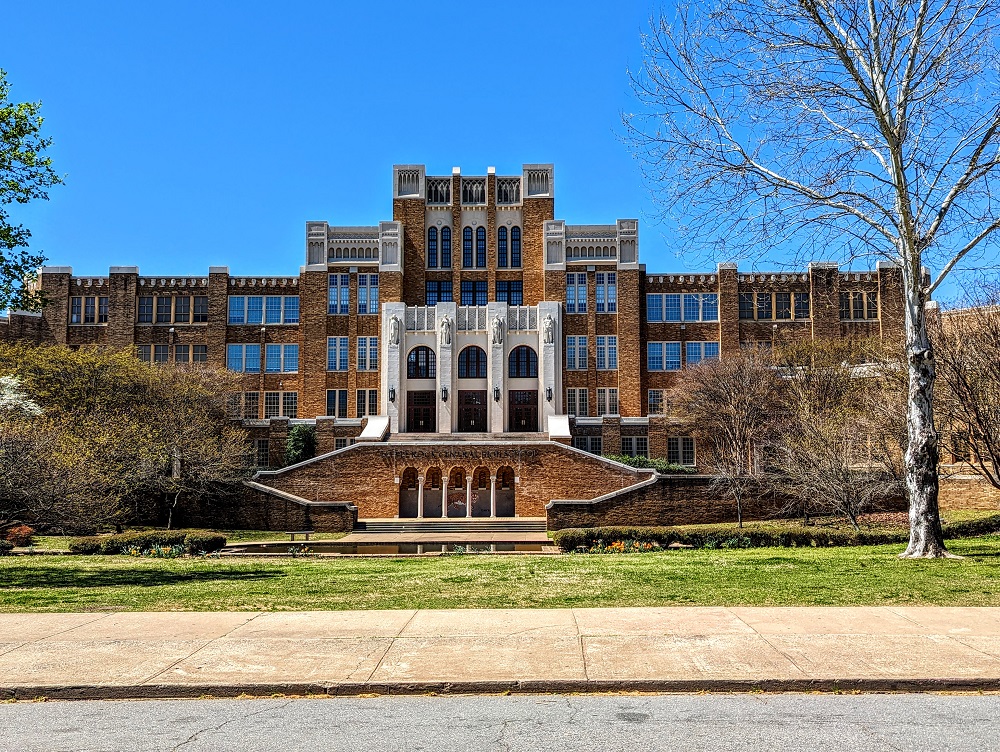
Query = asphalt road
x=552 y=723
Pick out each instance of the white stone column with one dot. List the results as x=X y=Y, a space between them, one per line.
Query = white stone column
x=493 y=496
x=549 y=363
x=468 y=496
x=444 y=495
x=393 y=361
x=444 y=348
x=496 y=359
x=420 y=496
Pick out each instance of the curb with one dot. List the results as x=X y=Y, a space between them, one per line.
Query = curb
x=355 y=689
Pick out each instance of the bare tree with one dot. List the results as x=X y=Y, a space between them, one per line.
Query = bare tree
x=874 y=125
x=968 y=346
x=732 y=408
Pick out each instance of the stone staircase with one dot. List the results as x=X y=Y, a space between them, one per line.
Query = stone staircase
x=437 y=438
x=454 y=525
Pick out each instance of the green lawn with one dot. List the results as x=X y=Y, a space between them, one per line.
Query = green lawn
x=61 y=542
x=864 y=575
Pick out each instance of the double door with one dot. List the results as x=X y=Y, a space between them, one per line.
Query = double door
x=523 y=411
x=472 y=411
x=420 y=412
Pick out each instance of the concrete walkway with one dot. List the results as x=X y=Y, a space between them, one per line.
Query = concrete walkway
x=188 y=654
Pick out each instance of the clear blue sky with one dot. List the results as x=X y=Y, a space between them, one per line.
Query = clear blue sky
x=195 y=134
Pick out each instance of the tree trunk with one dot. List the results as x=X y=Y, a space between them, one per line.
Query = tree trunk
x=921 y=464
x=170 y=510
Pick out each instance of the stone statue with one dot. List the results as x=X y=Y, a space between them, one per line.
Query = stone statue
x=394 y=330
x=497 y=330
x=446 y=331
x=548 y=330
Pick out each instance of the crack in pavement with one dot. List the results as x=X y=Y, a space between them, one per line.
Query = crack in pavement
x=222 y=725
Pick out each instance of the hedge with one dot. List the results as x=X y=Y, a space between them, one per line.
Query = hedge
x=756 y=536
x=657 y=464
x=193 y=541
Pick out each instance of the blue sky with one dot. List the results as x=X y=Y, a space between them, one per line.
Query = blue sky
x=195 y=134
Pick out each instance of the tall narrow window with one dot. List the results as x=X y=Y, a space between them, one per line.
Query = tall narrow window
x=446 y=248
x=672 y=307
x=654 y=307
x=515 y=247
x=764 y=306
x=607 y=353
x=511 y=292
x=576 y=353
x=746 y=306
x=272 y=309
x=655 y=402
x=163 y=309
x=201 y=309
x=255 y=309
x=801 y=305
x=467 y=247
x=76 y=310
x=339 y=295
x=576 y=293
x=336 y=353
x=607 y=292
x=522 y=363
x=182 y=310
x=102 y=310
x=481 y=247
x=782 y=305
x=421 y=363
x=367 y=293
x=438 y=292
x=432 y=248
x=502 y=247
x=654 y=356
x=367 y=353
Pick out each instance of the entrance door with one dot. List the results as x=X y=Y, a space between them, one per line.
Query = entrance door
x=420 y=417
x=472 y=412
x=523 y=411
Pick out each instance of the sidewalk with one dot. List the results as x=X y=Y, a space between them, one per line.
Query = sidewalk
x=184 y=654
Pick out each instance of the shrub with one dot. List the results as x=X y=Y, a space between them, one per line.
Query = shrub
x=86 y=546
x=20 y=535
x=972 y=528
x=301 y=444
x=6 y=547
x=655 y=463
x=203 y=542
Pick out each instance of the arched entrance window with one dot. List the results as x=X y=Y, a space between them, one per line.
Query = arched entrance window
x=505 y=492
x=421 y=364
x=481 y=492
x=432 y=492
x=408 y=493
x=472 y=363
x=522 y=363
x=456 y=492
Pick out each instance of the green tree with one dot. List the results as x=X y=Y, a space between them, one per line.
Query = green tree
x=301 y=444
x=25 y=174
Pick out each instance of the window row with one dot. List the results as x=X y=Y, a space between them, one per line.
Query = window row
x=339 y=294
x=682 y=306
x=365 y=402
x=263 y=309
x=578 y=404
x=522 y=363
x=172 y=309
x=475 y=292
x=246 y=405
x=605 y=292
x=88 y=310
x=577 y=358
x=858 y=305
x=666 y=356
x=182 y=353
x=337 y=354
x=473 y=248
x=770 y=306
x=277 y=358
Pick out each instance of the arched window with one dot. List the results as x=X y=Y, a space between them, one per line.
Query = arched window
x=420 y=363
x=481 y=247
x=515 y=247
x=502 y=247
x=432 y=248
x=467 y=247
x=446 y=248
x=522 y=363
x=472 y=363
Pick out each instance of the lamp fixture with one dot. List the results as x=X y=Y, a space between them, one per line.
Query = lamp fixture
x=392 y=394
x=548 y=394
x=444 y=394
x=496 y=394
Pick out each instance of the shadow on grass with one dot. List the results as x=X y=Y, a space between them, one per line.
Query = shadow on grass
x=63 y=577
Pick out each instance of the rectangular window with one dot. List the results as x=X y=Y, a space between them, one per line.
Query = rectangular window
x=655 y=398
x=102 y=310
x=801 y=305
x=576 y=293
x=199 y=354
x=243 y=358
x=161 y=353
x=143 y=351
x=591 y=444
x=182 y=310
x=290 y=312
x=373 y=401
x=845 y=305
x=367 y=353
x=255 y=309
x=237 y=309
x=680 y=450
x=163 y=309
x=576 y=402
x=782 y=305
x=692 y=306
x=262 y=452
x=576 y=353
x=635 y=446
x=511 y=293
x=764 y=312
x=710 y=306
x=272 y=359
x=607 y=292
x=857 y=305
x=251 y=405
x=290 y=358
x=361 y=402
x=654 y=356
x=89 y=310
x=695 y=352
x=654 y=307
x=671 y=356
x=200 y=309
x=438 y=292
x=76 y=311
x=367 y=294
x=475 y=292
x=338 y=297
x=613 y=353
x=872 y=307
x=290 y=404
x=672 y=307
x=182 y=353
x=746 y=306
x=272 y=405
x=145 y=313
x=607 y=401
x=336 y=353
x=336 y=402
x=272 y=309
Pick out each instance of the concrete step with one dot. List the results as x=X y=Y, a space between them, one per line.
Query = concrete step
x=398 y=438
x=453 y=525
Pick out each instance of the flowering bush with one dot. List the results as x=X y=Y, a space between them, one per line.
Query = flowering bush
x=20 y=535
x=624 y=547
